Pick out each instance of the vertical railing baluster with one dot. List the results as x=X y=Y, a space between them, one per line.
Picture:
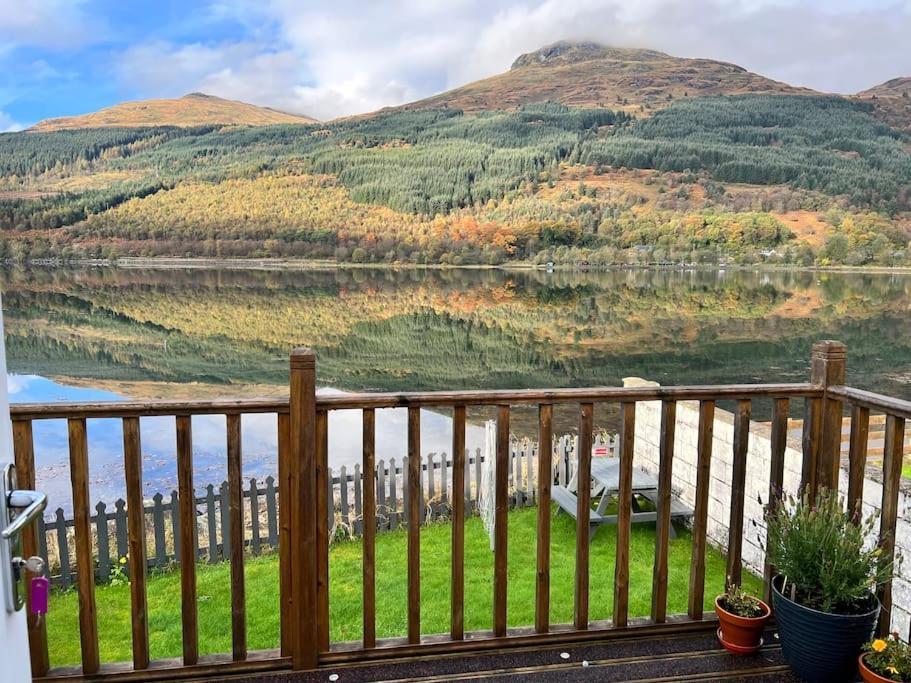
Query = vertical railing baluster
x=701 y=508
x=624 y=513
x=811 y=445
x=583 y=514
x=287 y=624
x=776 y=477
x=545 y=477
x=827 y=368
x=187 y=505
x=236 y=534
x=368 y=482
x=892 y=475
x=325 y=502
x=24 y=453
x=305 y=494
x=85 y=564
x=457 y=612
x=501 y=521
x=413 y=488
x=857 y=457
x=663 y=510
x=132 y=467
x=738 y=491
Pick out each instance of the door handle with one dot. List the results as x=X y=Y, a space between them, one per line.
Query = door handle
x=33 y=503
x=18 y=508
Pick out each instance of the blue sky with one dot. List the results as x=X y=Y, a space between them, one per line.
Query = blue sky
x=325 y=59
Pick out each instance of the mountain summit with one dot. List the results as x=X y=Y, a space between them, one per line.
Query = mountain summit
x=194 y=109
x=568 y=52
x=589 y=74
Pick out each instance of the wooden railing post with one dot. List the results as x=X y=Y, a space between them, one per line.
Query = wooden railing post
x=822 y=429
x=304 y=511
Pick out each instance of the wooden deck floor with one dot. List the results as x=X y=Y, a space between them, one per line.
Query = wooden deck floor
x=682 y=658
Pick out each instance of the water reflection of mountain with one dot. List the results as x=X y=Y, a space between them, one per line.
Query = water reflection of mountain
x=398 y=330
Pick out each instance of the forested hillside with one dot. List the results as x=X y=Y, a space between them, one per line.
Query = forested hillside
x=778 y=178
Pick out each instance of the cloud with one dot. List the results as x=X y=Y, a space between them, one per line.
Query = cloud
x=8 y=125
x=52 y=24
x=347 y=57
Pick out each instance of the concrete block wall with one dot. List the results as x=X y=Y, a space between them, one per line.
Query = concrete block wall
x=646 y=456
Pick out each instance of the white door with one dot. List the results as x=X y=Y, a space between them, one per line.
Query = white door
x=13 y=635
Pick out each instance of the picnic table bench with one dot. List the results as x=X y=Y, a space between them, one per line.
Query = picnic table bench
x=606 y=484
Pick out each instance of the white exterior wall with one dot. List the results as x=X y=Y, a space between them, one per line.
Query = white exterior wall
x=648 y=429
x=14 y=660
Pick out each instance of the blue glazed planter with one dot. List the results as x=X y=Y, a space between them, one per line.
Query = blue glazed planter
x=821 y=647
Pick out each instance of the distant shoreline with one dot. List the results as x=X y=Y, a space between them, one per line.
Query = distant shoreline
x=182 y=263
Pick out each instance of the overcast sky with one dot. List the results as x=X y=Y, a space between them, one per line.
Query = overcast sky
x=327 y=58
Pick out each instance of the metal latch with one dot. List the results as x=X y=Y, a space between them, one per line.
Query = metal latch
x=17 y=509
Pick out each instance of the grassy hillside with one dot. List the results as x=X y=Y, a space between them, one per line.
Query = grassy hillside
x=592 y=75
x=891 y=102
x=195 y=109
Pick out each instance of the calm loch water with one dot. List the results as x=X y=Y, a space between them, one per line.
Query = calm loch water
x=105 y=333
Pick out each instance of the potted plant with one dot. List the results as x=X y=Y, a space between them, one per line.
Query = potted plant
x=741 y=619
x=885 y=660
x=823 y=594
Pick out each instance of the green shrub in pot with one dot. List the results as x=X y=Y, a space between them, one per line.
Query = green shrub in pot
x=823 y=594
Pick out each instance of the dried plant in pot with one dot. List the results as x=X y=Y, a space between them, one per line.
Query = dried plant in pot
x=741 y=618
x=823 y=596
x=885 y=660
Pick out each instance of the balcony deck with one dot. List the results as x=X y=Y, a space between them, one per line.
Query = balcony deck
x=692 y=657
x=662 y=646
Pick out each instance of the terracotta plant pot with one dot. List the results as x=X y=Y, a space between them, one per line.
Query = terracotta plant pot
x=741 y=635
x=868 y=675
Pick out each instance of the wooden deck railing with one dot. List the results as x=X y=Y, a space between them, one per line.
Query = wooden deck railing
x=303 y=523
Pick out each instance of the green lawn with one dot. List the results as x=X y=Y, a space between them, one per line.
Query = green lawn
x=214 y=585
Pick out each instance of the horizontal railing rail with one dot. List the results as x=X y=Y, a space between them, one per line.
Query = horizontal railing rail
x=357 y=401
x=868 y=399
x=304 y=477
x=156 y=408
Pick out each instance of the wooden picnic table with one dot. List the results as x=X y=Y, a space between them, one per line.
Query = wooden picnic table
x=605 y=487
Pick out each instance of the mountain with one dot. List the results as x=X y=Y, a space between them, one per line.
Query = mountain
x=891 y=102
x=584 y=74
x=195 y=109
x=896 y=87
x=630 y=156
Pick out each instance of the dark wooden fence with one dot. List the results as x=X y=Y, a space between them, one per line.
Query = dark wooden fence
x=261 y=501
x=304 y=527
